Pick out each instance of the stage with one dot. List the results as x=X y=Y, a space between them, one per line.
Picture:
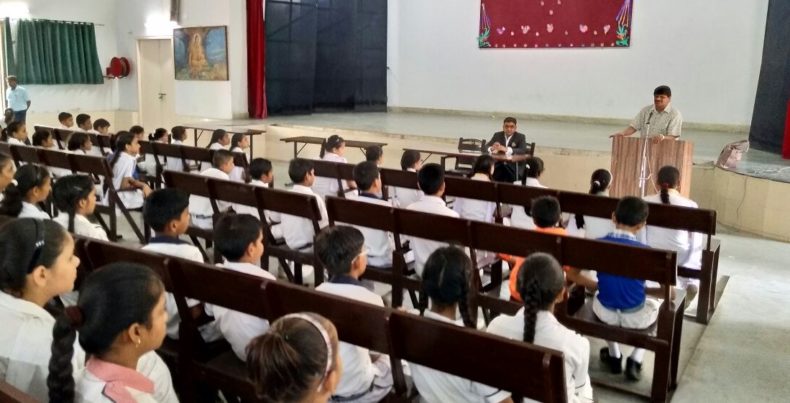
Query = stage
x=751 y=198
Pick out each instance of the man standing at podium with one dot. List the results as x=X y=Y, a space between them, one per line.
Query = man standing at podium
x=508 y=142
x=663 y=120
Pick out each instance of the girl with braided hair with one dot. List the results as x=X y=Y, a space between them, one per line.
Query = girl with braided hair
x=75 y=197
x=120 y=317
x=541 y=285
x=445 y=281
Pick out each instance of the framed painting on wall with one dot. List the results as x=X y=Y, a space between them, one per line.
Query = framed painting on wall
x=201 y=53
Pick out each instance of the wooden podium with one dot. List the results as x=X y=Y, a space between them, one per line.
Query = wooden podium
x=627 y=163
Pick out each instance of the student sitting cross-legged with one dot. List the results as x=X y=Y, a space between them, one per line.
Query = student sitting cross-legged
x=622 y=301
x=541 y=285
x=445 y=282
x=166 y=212
x=239 y=239
x=366 y=377
x=200 y=207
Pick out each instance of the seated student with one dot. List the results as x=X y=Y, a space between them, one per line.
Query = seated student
x=166 y=212
x=75 y=197
x=239 y=239
x=298 y=231
x=7 y=170
x=444 y=282
x=479 y=210
x=262 y=175
x=546 y=214
x=379 y=244
x=622 y=301
x=366 y=377
x=84 y=123
x=80 y=143
x=410 y=161
x=374 y=154
x=179 y=135
x=38 y=264
x=138 y=132
x=431 y=181
x=296 y=361
x=333 y=150
x=239 y=143
x=688 y=245
x=541 y=283
x=31 y=185
x=16 y=134
x=519 y=217
x=66 y=121
x=148 y=164
x=220 y=140
x=43 y=139
x=115 y=340
x=200 y=207
x=8 y=117
x=101 y=127
x=124 y=169
x=594 y=227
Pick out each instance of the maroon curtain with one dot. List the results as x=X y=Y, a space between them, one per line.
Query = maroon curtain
x=256 y=60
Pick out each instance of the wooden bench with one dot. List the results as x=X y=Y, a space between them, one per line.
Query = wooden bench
x=198 y=131
x=192 y=158
x=10 y=394
x=305 y=140
x=59 y=135
x=195 y=185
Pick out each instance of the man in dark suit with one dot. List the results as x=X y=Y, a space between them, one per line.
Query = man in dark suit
x=508 y=142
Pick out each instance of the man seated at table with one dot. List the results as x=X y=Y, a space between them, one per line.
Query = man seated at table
x=508 y=142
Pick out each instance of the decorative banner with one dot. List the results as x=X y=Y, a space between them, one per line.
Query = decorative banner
x=555 y=24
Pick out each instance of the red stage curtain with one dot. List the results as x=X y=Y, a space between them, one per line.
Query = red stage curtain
x=256 y=60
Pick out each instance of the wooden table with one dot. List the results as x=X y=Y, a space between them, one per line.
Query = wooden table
x=444 y=155
x=305 y=140
x=250 y=132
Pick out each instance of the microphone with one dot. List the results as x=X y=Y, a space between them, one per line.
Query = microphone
x=650 y=117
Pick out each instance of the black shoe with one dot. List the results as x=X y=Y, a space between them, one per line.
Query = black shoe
x=614 y=365
x=633 y=370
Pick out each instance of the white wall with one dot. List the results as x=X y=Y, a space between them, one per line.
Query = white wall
x=51 y=99
x=709 y=52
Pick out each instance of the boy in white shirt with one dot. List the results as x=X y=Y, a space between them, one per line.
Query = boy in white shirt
x=410 y=161
x=66 y=121
x=380 y=244
x=366 y=377
x=239 y=239
x=200 y=207
x=262 y=174
x=166 y=212
x=431 y=182
x=298 y=231
x=84 y=123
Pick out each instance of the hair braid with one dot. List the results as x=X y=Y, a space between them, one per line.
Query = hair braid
x=531 y=297
x=60 y=380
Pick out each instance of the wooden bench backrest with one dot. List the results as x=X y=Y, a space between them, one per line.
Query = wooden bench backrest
x=434 y=227
x=102 y=253
x=398 y=178
x=10 y=394
x=26 y=154
x=463 y=187
x=531 y=371
x=360 y=213
x=521 y=195
x=193 y=184
x=83 y=163
x=195 y=153
x=5 y=148
x=286 y=202
x=233 y=192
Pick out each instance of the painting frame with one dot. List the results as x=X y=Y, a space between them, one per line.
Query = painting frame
x=201 y=53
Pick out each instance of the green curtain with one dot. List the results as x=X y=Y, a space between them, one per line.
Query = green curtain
x=8 y=43
x=56 y=52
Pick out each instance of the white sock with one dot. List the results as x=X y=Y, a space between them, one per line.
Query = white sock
x=614 y=349
x=638 y=355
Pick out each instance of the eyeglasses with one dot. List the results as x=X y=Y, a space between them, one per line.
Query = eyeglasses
x=39 y=246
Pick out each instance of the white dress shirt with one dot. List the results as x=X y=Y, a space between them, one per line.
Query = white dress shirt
x=552 y=334
x=25 y=350
x=594 y=227
x=403 y=197
x=298 y=231
x=473 y=209
x=217 y=146
x=200 y=208
x=174 y=163
x=688 y=245
x=328 y=186
x=380 y=244
x=519 y=217
x=422 y=247
x=32 y=211
x=436 y=386
x=240 y=328
x=17 y=98
x=124 y=168
x=273 y=218
x=82 y=226
x=15 y=141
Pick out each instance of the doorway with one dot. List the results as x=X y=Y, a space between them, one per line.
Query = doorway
x=156 y=83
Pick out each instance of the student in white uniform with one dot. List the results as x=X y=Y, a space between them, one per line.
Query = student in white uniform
x=16 y=134
x=43 y=139
x=520 y=218
x=166 y=211
x=688 y=245
x=380 y=244
x=220 y=140
x=541 y=285
x=38 y=262
x=84 y=123
x=148 y=164
x=80 y=143
x=410 y=161
x=431 y=181
x=200 y=208
x=296 y=361
x=101 y=127
x=7 y=170
x=239 y=239
x=75 y=197
x=115 y=339
x=333 y=150
x=298 y=231
x=366 y=376
x=31 y=185
x=179 y=135
x=593 y=227
x=138 y=132
x=375 y=154
x=262 y=175
x=445 y=282
x=124 y=167
x=478 y=210
x=239 y=143
x=66 y=121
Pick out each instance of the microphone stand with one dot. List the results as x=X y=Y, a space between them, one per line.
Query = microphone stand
x=643 y=169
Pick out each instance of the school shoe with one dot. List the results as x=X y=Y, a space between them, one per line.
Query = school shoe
x=633 y=370
x=614 y=365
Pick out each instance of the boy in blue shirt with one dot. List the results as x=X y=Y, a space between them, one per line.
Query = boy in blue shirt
x=622 y=301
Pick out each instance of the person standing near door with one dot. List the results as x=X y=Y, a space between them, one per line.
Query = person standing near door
x=17 y=99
